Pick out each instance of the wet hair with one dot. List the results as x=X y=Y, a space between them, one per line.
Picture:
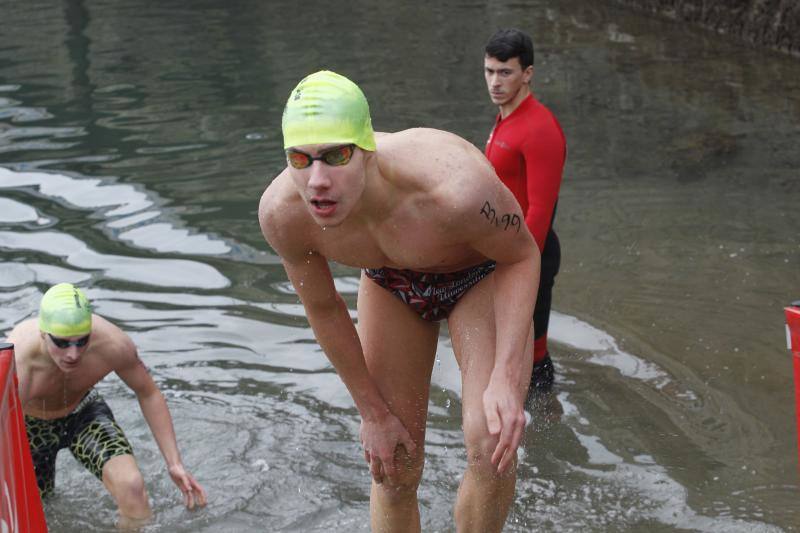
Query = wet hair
x=508 y=43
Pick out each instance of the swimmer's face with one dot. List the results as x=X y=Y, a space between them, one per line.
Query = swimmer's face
x=66 y=352
x=505 y=79
x=332 y=182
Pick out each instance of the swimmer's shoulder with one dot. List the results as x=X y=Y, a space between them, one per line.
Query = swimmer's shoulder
x=430 y=148
x=110 y=343
x=283 y=216
x=436 y=160
x=416 y=158
x=23 y=331
x=25 y=338
x=279 y=198
x=413 y=138
x=279 y=189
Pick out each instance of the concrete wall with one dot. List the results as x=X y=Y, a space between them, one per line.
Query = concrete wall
x=770 y=23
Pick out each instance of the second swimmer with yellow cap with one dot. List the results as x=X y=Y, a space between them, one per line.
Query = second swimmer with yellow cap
x=60 y=356
x=437 y=236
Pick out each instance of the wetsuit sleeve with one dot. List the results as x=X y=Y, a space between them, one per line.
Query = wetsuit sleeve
x=544 y=153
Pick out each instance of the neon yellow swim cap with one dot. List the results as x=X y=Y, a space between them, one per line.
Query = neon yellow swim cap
x=65 y=311
x=326 y=107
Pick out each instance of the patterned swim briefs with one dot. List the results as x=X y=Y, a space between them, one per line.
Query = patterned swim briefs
x=433 y=296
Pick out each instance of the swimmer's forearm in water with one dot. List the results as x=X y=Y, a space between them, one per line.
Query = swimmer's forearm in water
x=156 y=413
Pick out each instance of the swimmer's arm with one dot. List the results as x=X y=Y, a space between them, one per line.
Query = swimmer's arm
x=336 y=334
x=503 y=236
x=496 y=229
x=490 y=220
x=325 y=309
x=132 y=371
x=381 y=431
x=130 y=368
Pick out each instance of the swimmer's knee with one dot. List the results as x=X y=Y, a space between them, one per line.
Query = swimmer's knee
x=477 y=439
x=479 y=451
x=479 y=464
x=480 y=446
x=131 y=487
x=406 y=481
x=126 y=483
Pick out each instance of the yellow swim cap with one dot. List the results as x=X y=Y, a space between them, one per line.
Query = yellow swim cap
x=326 y=107
x=65 y=311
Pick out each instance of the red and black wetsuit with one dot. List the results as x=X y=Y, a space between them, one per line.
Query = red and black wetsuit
x=528 y=151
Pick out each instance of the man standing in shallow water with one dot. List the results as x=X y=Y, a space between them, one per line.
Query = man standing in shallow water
x=438 y=236
x=59 y=358
x=527 y=149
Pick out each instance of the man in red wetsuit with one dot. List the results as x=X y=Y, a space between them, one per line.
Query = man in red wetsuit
x=527 y=149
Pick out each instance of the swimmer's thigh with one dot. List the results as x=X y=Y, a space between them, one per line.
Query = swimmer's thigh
x=399 y=348
x=98 y=438
x=473 y=333
x=45 y=441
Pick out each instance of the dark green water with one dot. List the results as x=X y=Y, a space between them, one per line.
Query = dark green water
x=136 y=138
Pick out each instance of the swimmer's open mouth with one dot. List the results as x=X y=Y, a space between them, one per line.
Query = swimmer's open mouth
x=322 y=207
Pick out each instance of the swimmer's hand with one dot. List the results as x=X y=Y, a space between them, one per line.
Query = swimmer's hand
x=505 y=417
x=193 y=493
x=382 y=439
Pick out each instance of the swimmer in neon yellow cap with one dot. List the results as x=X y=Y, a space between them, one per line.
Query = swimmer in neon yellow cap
x=59 y=358
x=438 y=237
x=326 y=107
x=65 y=311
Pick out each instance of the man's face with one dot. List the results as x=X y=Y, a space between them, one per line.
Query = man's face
x=332 y=183
x=66 y=352
x=504 y=79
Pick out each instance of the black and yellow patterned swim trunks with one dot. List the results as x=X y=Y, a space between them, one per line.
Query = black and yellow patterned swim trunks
x=89 y=431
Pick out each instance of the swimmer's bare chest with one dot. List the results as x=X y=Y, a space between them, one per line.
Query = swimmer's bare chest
x=415 y=245
x=48 y=393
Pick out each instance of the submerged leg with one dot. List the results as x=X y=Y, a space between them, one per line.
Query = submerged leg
x=100 y=445
x=124 y=481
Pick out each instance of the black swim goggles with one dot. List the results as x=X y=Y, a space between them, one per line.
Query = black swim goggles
x=335 y=157
x=64 y=343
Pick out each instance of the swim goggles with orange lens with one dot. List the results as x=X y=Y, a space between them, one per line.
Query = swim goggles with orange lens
x=335 y=157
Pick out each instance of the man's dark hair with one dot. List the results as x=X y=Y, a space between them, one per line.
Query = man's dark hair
x=510 y=42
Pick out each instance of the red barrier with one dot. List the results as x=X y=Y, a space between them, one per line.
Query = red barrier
x=793 y=343
x=20 y=505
